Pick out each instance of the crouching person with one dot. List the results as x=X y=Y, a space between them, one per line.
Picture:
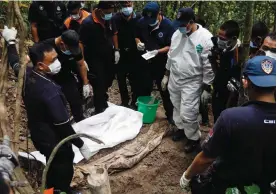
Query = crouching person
x=241 y=149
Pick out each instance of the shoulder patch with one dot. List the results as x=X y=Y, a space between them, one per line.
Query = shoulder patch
x=58 y=8
x=160 y=35
x=267 y=66
x=41 y=7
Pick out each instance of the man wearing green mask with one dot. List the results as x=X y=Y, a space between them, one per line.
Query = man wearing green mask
x=96 y=34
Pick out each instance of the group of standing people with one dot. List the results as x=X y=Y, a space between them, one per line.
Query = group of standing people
x=77 y=55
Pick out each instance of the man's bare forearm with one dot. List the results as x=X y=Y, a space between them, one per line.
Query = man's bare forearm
x=83 y=72
x=164 y=49
x=199 y=165
x=34 y=31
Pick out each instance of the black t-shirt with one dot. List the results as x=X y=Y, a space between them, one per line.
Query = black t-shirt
x=97 y=38
x=126 y=31
x=49 y=18
x=68 y=62
x=244 y=142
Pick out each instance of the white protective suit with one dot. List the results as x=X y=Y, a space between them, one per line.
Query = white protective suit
x=189 y=68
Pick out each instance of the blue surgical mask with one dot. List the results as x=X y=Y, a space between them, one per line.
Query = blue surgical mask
x=127 y=11
x=184 y=30
x=67 y=52
x=155 y=23
x=107 y=16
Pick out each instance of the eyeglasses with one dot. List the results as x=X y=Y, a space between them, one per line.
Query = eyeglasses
x=266 y=48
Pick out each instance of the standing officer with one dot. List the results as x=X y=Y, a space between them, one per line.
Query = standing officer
x=190 y=77
x=46 y=18
x=48 y=119
x=125 y=22
x=241 y=148
x=76 y=16
x=96 y=35
x=153 y=34
x=71 y=57
x=226 y=67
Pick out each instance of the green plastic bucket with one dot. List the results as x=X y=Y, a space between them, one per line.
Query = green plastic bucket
x=148 y=110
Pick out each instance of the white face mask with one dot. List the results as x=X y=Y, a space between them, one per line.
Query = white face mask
x=55 y=67
x=154 y=24
x=76 y=16
x=270 y=54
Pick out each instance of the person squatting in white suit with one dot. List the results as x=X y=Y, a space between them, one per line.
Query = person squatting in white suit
x=189 y=75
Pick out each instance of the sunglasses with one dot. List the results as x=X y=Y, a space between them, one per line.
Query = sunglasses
x=266 y=48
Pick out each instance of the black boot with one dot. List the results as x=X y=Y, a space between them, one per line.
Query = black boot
x=178 y=135
x=192 y=145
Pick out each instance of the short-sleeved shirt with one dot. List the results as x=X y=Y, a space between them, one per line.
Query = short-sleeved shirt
x=156 y=38
x=96 y=36
x=45 y=105
x=126 y=31
x=244 y=142
x=68 y=62
x=49 y=18
x=71 y=24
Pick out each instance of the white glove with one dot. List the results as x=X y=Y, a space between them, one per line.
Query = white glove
x=85 y=151
x=154 y=52
x=185 y=184
x=140 y=46
x=9 y=34
x=205 y=97
x=116 y=56
x=231 y=87
x=164 y=83
x=87 y=90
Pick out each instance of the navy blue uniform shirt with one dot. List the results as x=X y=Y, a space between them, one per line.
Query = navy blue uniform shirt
x=244 y=142
x=49 y=17
x=155 y=38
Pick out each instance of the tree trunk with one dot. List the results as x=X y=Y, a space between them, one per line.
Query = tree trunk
x=4 y=78
x=200 y=12
x=22 y=62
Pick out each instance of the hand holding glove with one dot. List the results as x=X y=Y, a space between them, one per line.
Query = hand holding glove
x=164 y=83
x=85 y=151
x=185 y=184
x=116 y=56
x=140 y=46
x=9 y=34
x=87 y=90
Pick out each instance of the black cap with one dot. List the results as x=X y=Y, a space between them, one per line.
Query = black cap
x=184 y=16
x=71 y=5
x=71 y=40
x=106 y=4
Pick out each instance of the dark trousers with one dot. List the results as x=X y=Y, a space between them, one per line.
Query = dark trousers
x=71 y=91
x=126 y=69
x=101 y=76
x=204 y=111
x=151 y=71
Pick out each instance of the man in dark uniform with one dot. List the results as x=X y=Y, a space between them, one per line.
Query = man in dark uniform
x=71 y=57
x=241 y=148
x=125 y=22
x=96 y=35
x=48 y=119
x=76 y=16
x=153 y=34
x=226 y=66
x=46 y=18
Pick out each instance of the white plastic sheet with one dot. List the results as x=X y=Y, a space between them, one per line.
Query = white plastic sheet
x=114 y=126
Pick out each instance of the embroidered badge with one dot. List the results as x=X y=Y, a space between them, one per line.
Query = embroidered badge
x=40 y=7
x=149 y=14
x=58 y=8
x=160 y=35
x=179 y=15
x=267 y=66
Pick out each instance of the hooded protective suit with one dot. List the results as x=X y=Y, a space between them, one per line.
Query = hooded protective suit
x=189 y=68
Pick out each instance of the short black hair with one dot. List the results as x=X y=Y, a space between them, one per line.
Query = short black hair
x=200 y=21
x=72 y=5
x=36 y=52
x=4 y=188
x=231 y=28
x=259 y=29
x=106 y=4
